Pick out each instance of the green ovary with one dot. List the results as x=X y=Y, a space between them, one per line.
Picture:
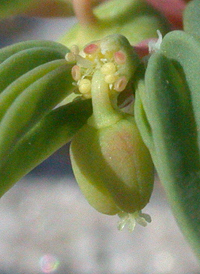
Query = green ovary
x=113 y=167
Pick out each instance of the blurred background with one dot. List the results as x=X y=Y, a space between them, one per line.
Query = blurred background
x=46 y=225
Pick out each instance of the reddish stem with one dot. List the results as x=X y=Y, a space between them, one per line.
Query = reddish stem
x=83 y=11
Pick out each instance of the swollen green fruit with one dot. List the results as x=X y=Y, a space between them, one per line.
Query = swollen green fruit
x=110 y=161
x=116 y=163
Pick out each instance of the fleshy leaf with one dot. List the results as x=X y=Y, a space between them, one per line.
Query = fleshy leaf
x=167 y=114
x=8 y=51
x=17 y=59
x=35 y=78
x=191 y=18
x=48 y=135
x=32 y=104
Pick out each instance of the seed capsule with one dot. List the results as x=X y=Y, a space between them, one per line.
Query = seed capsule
x=113 y=167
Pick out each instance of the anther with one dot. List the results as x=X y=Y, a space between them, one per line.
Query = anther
x=84 y=86
x=120 y=57
x=76 y=73
x=120 y=84
x=110 y=78
x=108 y=68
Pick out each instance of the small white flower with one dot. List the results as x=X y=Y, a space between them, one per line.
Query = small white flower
x=130 y=219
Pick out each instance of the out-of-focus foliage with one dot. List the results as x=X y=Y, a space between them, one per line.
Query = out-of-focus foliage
x=134 y=19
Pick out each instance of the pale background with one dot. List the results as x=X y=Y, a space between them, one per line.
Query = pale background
x=46 y=226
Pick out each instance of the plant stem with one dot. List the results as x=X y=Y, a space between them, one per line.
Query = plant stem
x=84 y=13
x=104 y=113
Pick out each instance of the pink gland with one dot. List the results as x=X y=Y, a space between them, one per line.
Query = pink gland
x=90 y=49
x=76 y=73
x=120 y=84
x=120 y=57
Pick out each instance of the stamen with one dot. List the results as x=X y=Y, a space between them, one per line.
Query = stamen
x=120 y=84
x=70 y=57
x=91 y=48
x=110 y=78
x=83 y=62
x=108 y=68
x=85 y=86
x=75 y=49
x=76 y=73
x=120 y=57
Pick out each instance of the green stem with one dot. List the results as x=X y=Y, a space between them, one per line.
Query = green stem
x=103 y=112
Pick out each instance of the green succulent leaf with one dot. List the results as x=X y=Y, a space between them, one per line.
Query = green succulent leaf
x=12 y=91
x=24 y=61
x=184 y=50
x=17 y=59
x=8 y=51
x=32 y=104
x=42 y=79
x=53 y=131
x=134 y=19
x=35 y=79
x=168 y=116
x=191 y=18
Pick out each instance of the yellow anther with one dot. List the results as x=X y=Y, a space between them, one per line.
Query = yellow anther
x=84 y=86
x=110 y=78
x=108 y=68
